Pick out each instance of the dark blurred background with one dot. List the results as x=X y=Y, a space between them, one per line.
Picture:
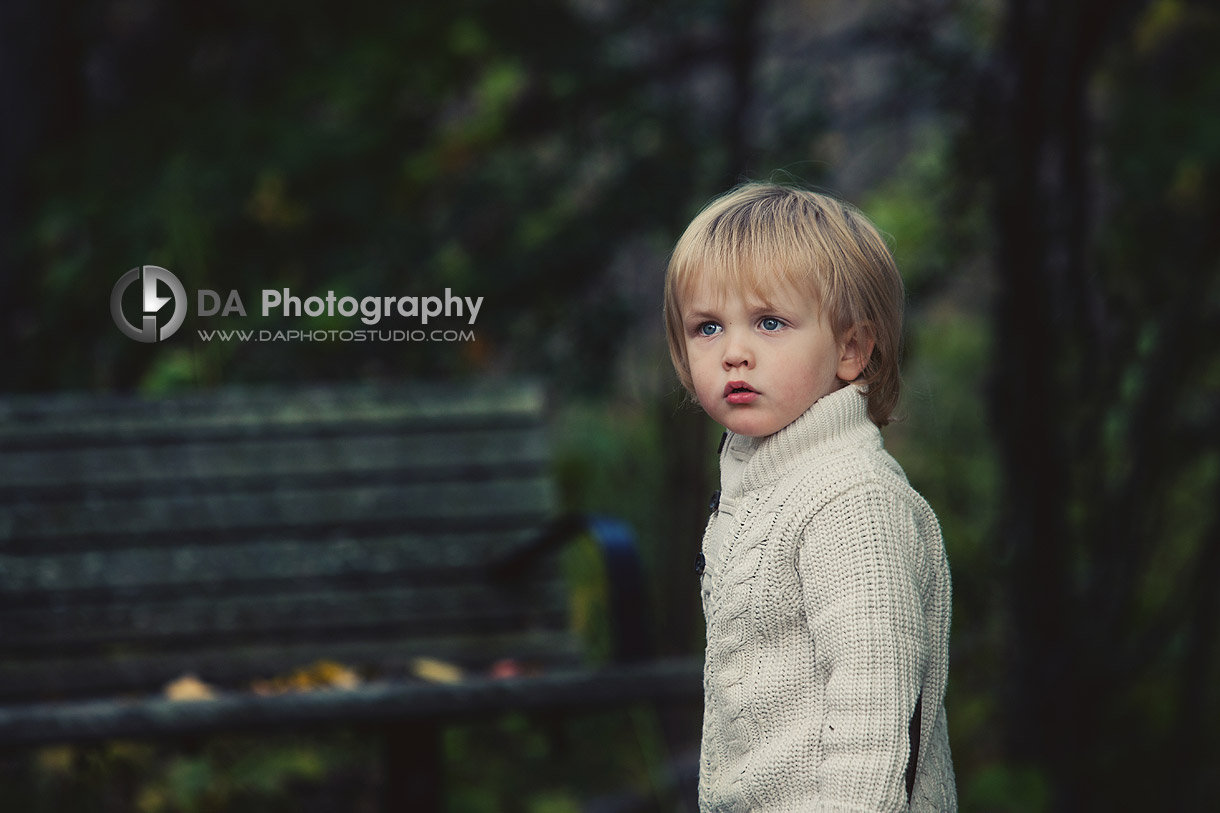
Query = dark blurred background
x=1049 y=173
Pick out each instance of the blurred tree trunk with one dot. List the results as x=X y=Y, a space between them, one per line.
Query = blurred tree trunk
x=41 y=100
x=1039 y=131
x=689 y=487
x=689 y=453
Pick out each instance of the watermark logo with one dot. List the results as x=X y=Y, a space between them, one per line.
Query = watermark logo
x=370 y=310
x=151 y=304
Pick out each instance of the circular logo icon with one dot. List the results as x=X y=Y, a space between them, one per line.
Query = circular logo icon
x=147 y=332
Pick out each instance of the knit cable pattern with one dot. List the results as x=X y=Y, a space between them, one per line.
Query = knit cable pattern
x=729 y=683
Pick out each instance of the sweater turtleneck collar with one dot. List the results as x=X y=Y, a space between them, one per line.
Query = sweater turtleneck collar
x=835 y=420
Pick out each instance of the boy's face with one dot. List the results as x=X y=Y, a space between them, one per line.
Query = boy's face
x=758 y=366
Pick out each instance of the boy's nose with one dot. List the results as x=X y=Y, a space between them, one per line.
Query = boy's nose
x=737 y=353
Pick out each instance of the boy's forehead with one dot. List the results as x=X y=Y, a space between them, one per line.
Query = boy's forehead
x=707 y=290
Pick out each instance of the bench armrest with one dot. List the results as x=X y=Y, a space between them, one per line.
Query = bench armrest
x=617 y=543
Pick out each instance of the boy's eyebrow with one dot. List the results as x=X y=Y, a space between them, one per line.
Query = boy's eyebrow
x=770 y=307
x=754 y=308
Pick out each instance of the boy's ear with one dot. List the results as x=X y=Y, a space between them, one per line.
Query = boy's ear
x=854 y=352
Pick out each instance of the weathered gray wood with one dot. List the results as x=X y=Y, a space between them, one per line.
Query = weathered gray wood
x=455 y=605
x=155 y=717
x=173 y=519
x=440 y=455
x=220 y=568
x=216 y=529
x=77 y=421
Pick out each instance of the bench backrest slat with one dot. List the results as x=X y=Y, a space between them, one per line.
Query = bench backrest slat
x=458 y=454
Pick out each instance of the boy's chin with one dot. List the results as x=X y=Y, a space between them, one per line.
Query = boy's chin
x=752 y=426
x=749 y=420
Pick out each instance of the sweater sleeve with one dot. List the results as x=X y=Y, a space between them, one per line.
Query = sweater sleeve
x=857 y=563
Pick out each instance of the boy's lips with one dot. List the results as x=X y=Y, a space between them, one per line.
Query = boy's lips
x=739 y=392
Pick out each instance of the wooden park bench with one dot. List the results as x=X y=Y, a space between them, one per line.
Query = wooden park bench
x=236 y=535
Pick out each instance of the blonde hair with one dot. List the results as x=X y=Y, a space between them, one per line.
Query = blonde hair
x=758 y=236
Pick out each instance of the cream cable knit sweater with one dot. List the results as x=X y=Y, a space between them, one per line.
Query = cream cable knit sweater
x=827 y=599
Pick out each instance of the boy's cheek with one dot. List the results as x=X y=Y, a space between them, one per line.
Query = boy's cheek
x=704 y=389
x=702 y=394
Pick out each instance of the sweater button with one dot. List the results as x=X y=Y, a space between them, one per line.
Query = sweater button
x=714 y=503
x=700 y=563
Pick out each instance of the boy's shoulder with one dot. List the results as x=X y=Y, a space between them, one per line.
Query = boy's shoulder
x=860 y=494
x=848 y=473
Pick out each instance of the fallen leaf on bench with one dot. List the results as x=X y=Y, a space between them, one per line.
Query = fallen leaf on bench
x=507 y=668
x=321 y=675
x=336 y=675
x=188 y=688
x=436 y=671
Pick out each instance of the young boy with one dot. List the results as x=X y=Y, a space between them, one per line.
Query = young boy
x=824 y=580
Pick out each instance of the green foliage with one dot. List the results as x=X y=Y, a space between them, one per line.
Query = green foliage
x=230 y=773
x=507 y=764
x=534 y=765
x=1006 y=789
x=173 y=370
x=917 y=209
x=588 y=598
x=609 y=459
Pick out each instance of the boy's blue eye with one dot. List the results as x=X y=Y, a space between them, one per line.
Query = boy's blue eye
x=709 y=329
x=771 y=323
